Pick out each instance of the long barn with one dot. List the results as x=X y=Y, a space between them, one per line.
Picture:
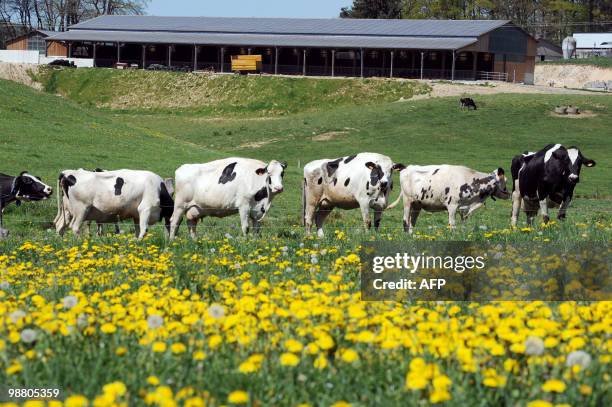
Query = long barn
x=429 y=49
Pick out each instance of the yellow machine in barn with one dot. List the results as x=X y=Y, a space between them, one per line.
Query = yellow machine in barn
x=244 y=64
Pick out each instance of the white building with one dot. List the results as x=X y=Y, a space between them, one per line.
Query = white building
x=593 y=44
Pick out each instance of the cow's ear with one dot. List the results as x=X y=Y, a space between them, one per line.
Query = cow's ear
x=398 y=167
x=370 y=165
x=261 y=171
x=500 y=172
x=589 y=163
x=283 y=164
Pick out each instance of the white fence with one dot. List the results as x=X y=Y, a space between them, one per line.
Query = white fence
x=34 y=57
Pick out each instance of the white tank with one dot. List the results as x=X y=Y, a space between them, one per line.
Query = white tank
x=569 y=47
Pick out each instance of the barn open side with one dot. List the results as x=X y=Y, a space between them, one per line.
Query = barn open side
x=428 y=49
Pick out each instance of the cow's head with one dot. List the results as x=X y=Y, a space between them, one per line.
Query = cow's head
x=275 y=171
x=500 y=189
x=577 y=160
x=28 y=187
x=559 y=168
x=380 y=179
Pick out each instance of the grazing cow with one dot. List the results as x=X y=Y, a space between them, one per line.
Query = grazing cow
x=447 y=187
x=226 y=187
x=467 y=103
x=24 y=187
x=110 y=196
x=546 y=179
x=357 y=181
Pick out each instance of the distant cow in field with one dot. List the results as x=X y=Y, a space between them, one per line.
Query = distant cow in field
x=23 y=187
x=226 y=187
x=447 y=187
x=358 y=181
x=467 y=103
x=110 y=196
x=546 y=179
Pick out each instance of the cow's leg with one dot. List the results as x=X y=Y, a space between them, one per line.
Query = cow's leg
x=452 y=212
x=365 y=215
x=411 y=214
x=320 y=216
x=563 y=208
x=309 y=214
x=243 y=211
x=175 y=220
x=191 y=226
x=377 y=217
x=516 y=207
x=80 y=214
x=145 y=216
x=531 y=210
x=544 y=210
x=474 y=207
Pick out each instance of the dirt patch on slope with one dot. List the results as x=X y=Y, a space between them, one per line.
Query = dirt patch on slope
x=257 y=144
x=19 y=73
x=330 y=135
x=570 y=76
x=585 y=114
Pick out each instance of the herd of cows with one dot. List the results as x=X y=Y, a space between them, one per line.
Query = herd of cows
x=243 y=186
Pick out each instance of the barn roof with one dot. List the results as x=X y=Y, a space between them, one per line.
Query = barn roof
x=285 y=40
x=307 y=26
x=340 y=33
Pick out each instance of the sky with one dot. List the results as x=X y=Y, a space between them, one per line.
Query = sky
x=248 y=8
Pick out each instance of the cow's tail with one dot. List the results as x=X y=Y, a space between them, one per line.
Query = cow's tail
x=304 y=203
x=394 y=204
x=167 y=205
x=60 y=201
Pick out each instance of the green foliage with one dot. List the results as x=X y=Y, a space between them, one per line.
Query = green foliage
x=601 y=62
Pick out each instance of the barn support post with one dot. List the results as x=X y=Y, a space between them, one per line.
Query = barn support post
x=304 y=65
x=422 y=63
x=70 y=50
x=361 y=58
x=195 y=58
x=391 y=70
x=474 y=64
x=95 y=46
x=169 y=56
x=249 y=51
x=222 y=59
x=453 y=68
x=333 y=63
x=275 y=60
x=118 y=52
x=443 y=75
x=144 y=57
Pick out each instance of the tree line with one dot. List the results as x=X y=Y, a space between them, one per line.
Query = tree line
x=552 y=19
x=20 y=16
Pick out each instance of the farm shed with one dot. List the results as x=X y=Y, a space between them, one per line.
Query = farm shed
x=36 y=41
x=433 y=49
x=548 y=51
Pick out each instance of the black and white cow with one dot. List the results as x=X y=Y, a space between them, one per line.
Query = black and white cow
x=226 y=187
x=111 y=196
x=447 y=187
x=546 y=179
x=358 y=181
x=23 y=187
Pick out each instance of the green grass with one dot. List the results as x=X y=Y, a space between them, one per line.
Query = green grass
x=600 y=62
x=218 y=94
x=43 y=133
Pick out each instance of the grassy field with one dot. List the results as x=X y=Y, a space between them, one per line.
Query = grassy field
x=601 y=62
x=277 y=319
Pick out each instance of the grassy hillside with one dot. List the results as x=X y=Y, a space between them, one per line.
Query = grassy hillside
x=44 y=133
x=166 y=91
